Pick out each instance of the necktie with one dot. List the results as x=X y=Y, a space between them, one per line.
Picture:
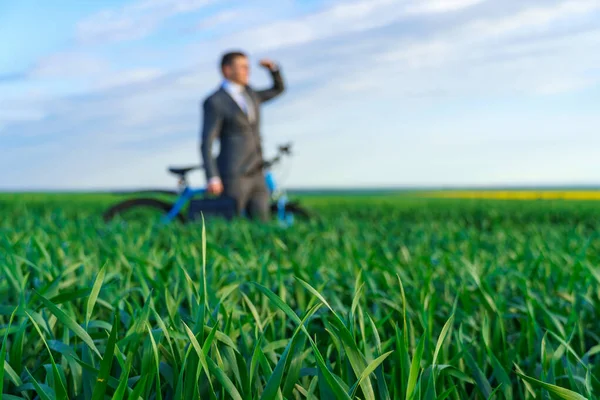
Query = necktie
x=247 y=101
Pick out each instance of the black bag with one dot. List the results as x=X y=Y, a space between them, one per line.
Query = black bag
x=210 y=207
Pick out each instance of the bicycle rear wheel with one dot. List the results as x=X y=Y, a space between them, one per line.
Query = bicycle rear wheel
x=140 y=210
x=294 y=209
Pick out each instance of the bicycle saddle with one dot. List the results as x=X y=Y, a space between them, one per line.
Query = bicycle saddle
x=182 y=171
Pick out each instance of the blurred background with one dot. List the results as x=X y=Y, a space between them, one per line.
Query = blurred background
x=380 y=93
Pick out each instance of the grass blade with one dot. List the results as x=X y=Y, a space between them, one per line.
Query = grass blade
x=414 y=369
x=558 y=391
x=94 y=294
x=105 y=365
x=3 y=351
x=368 y=371
x=69 y=323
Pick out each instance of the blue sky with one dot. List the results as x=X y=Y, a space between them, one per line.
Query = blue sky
x=379 y=92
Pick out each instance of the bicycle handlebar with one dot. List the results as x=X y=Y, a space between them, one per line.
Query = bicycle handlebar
x=281 y=150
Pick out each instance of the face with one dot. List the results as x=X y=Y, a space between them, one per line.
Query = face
x=238 y=72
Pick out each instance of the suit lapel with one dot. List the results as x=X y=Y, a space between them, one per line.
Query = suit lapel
x=233 y=103
x=255 y=109
x=237 y=107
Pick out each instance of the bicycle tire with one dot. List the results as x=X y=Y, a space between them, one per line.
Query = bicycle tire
x=129 y=204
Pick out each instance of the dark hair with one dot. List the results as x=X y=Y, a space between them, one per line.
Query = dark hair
x=228 y=57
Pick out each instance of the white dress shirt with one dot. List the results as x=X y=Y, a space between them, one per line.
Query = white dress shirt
x=236 y=91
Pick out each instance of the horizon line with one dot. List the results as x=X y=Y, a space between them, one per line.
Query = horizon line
x=386 y=188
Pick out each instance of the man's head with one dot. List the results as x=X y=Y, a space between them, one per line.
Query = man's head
x=235 y=67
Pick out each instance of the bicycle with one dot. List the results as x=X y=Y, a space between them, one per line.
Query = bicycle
x=286 y=211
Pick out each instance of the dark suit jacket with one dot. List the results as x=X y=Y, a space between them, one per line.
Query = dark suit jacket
x=240 y=141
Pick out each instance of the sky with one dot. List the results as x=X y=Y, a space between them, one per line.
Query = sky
x=108 y=94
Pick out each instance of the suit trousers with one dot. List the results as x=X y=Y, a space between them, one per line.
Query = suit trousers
x=251 y=195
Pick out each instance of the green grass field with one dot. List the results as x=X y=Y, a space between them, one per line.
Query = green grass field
x=382 y=297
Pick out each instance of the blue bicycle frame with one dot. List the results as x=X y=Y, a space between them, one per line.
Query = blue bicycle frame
x=188 y=193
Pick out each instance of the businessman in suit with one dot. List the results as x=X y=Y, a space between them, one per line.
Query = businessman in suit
x=232 y=115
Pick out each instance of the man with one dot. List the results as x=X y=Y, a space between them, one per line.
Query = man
x=232 y=115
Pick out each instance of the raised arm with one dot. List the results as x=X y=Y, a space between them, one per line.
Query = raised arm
x=278 y=85
x=211 y=129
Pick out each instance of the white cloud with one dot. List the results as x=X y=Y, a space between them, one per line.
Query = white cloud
x=133 y=21
x=532 y=19
x=126 y=77
x=486 y=31
x=87 y=71
x=69 y=64
x=220 y=18
x=20 y=114
x=340 y=19
x=504 y=54
x=13 y=115
x=437 y=6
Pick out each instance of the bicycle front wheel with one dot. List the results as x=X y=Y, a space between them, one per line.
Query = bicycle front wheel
x=140 y=210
